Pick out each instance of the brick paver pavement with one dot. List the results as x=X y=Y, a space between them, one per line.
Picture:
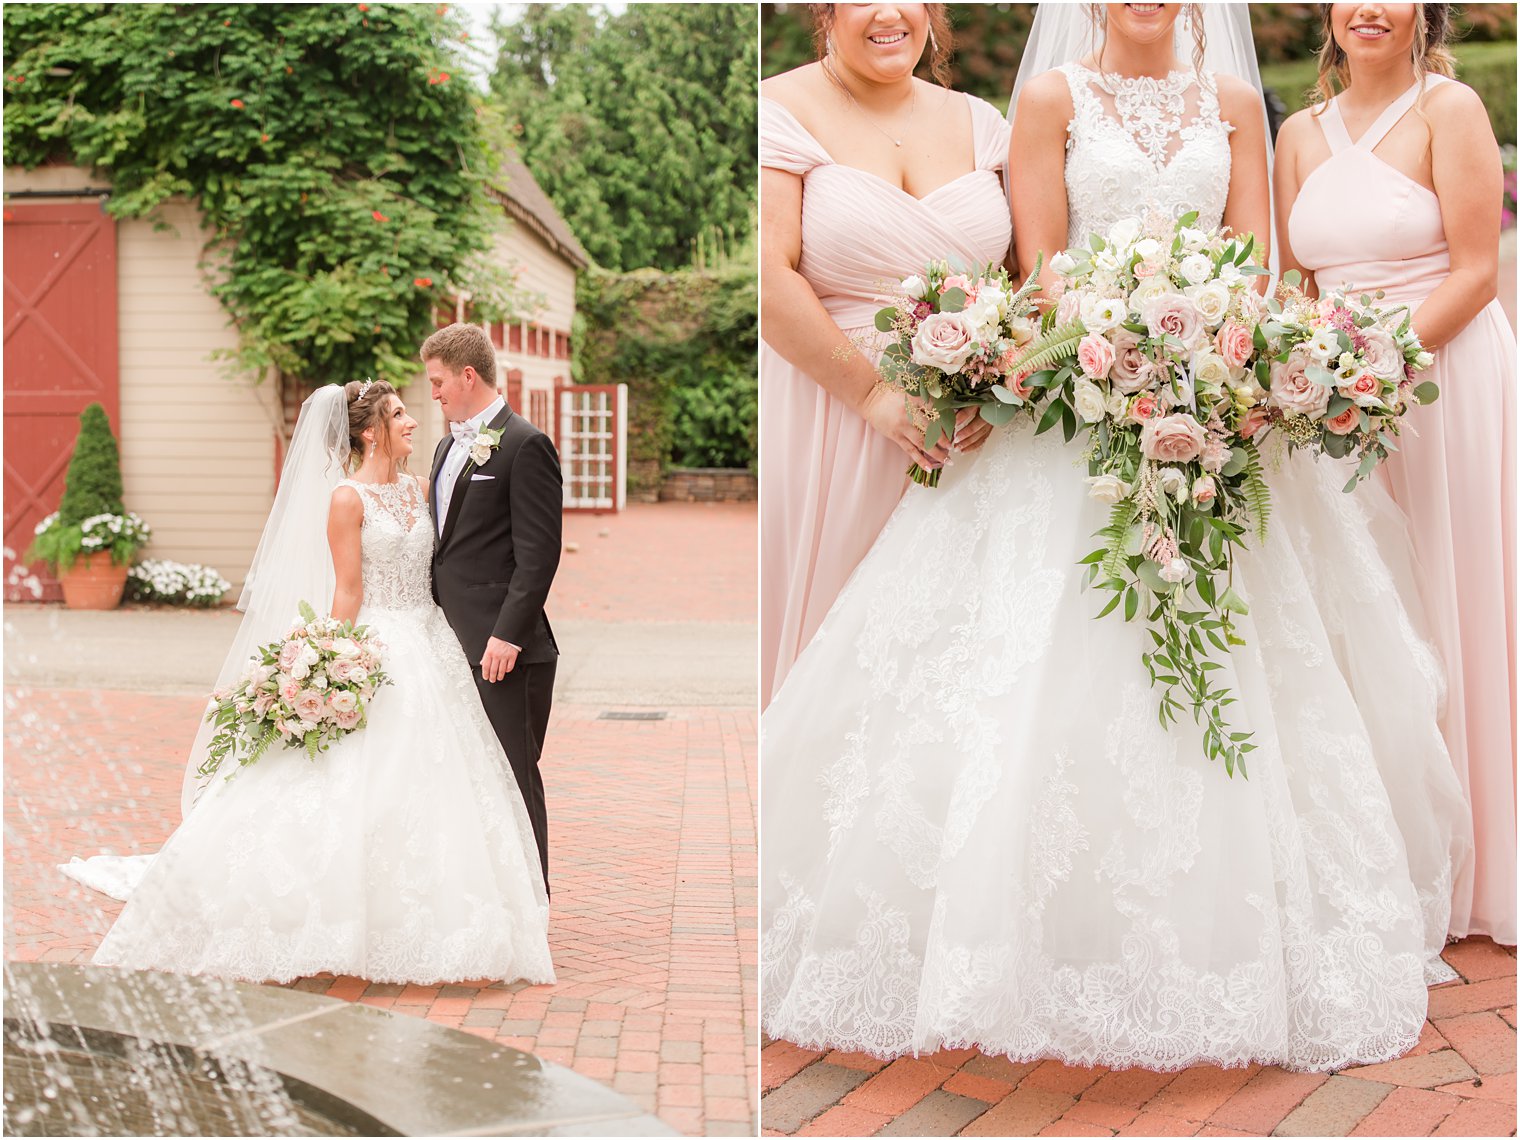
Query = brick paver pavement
x=652 y=924
x=1458 y=1081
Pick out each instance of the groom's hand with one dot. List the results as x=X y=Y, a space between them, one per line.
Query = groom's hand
x=499 y=660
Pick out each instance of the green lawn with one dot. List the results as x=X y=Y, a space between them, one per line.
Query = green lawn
x=1489 y=68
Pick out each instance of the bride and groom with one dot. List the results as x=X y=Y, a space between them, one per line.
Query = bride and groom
x=416 y=849
x=975 y=833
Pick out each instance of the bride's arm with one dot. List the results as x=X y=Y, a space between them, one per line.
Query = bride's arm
x=1247 y=210
x=1286 y=182
x=344 y=518
x=1469 y=181
x=796 y=325
x=1037 y=173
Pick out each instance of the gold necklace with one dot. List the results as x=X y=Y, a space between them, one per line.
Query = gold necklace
x=828 y=69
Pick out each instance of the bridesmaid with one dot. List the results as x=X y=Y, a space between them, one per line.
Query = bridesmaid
x=1395 y=184
x=855 y=152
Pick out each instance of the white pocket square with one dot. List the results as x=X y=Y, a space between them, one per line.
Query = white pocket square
x=473 y=478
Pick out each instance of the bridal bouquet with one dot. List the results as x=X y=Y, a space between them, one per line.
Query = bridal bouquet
x=955 y=339
x=1341 y=375
x=308 y=689
x=1151 y=351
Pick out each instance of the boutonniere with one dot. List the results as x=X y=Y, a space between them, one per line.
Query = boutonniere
x=485 y=442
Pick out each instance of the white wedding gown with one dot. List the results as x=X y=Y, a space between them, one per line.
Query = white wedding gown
x=975 y=832
x=401 y=854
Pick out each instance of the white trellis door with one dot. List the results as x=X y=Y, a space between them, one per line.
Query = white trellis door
x=591 y=425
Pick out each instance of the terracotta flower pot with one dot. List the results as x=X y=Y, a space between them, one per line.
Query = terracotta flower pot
x=93 y=583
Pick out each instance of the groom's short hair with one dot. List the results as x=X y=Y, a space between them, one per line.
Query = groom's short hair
x=455 y=346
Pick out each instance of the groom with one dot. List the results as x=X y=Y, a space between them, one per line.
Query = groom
x=496 y=497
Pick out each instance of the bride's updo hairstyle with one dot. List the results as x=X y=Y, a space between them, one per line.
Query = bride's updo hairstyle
x=1191 y=14
x=941 y=38
x=366 y=409
x=1432 y=51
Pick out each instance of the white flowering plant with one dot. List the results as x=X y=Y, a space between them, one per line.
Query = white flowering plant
x=1149 y=349
x=308 y=689
x=1340 y=374
x=60 y=544
x=158 y=580
x=955 y=337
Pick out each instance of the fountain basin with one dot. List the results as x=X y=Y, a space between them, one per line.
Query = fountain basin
x=92 y=1050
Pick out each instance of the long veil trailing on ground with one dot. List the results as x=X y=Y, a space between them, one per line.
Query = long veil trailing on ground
x=292 y=564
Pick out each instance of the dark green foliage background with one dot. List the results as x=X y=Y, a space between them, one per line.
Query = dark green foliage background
x=685 y=344
x=640 y=125
x=344 y=112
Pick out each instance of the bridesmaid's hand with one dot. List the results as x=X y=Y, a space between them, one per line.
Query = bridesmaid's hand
x=971 y=431
x=887 y=412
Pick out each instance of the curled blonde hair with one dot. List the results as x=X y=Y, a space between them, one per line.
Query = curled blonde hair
x=1432 y=53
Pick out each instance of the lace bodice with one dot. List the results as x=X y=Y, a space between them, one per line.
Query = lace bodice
x=396 y=544
x=1139 y=145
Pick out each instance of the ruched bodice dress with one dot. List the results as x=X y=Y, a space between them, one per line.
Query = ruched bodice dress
x=1361 y=223
x=830 y=481
x=975 y=831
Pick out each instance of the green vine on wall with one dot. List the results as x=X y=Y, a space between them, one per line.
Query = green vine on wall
x=340 y=160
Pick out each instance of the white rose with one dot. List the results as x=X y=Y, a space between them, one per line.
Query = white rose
x=346 y=647
x=983 y=313
x=1211 y=370
x=1100 y=314
x=1107 y=488
x=1192 y=240
x=309 y=655
x=1063 y=263
x=1197 y=268
x=319 y=680
x=1174 y=482
x=913 y=287
x=1423 y=361
x=1091 y=405
x=1147 y=249
x=1124 y=232
x=300 y=670
x=944 y=341
x=1021 y=330
x=1213 y=301
x=1150 y=288
x=1175 y=571
x=1118 y=405
x=1229 y=274
x=480 y=451
x=1107 y=261
x=990 y=294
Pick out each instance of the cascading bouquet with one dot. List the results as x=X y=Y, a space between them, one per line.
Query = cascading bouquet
x=955 y=339
x=1151 y=348
x=1340 y=373
x=310 y=688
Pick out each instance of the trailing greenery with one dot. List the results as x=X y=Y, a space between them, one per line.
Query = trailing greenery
x=339 y=161
x=685 y=344
x=639 y=125
x=90 y=518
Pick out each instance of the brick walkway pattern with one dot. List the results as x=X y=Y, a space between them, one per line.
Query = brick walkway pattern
x=1458 y=1081
x=652 y=925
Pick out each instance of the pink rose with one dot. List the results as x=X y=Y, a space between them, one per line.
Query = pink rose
x=944 y=341
x=263 y=703
x=344 y=668
x=1095 y=355
x=1204 y=491
x=289 y=689
x=1173 y=315
x=1131 y=370
x=290 y=653
x=958 y=281
x=347 y=720
x=1382 y=353
x=1019 y=387
x=284 y=727
x=1345 y=423
x=1172 y=439
x=1255 y=419
x=1214 y=454
x=1068 y=307
x=1143 y=408
x=1293 y=391
x=343 y=701
x=1145 y=269
x=1365 y=391
x=1234 y=342
x=307 y=705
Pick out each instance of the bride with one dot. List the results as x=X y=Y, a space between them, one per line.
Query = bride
x=975 y=832
x=404 y=852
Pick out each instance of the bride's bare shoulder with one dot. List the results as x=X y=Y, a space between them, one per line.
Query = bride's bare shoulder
x=1046 y=94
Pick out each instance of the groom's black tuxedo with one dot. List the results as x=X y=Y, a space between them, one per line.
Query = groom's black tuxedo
x=492 y=569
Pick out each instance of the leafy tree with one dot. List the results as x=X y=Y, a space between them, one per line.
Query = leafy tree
x=340 y=163
x=640 y=126
x=93 y=483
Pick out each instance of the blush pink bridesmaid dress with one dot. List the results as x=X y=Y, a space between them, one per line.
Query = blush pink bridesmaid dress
x=1361 y=223
x=828 y=480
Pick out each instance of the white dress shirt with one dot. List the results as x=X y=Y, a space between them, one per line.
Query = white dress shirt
x=456 y=458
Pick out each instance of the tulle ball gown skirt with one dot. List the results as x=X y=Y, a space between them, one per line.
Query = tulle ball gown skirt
x=977 y=834
x=402 y=854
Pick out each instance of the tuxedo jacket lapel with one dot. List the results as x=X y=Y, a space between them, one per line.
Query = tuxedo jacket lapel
x=462 y=482
x=438 y=456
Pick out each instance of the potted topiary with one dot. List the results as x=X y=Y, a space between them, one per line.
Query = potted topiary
x=89 y=541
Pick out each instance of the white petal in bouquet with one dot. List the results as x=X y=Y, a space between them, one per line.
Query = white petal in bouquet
x=308 y=689
x=956 y=336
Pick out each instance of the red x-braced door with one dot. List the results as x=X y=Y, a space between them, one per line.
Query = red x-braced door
x=60 y=355
x=591 y=433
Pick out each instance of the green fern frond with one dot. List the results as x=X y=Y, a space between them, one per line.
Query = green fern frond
x=1120 y=516
x=1052 y=347
x=1257 y=494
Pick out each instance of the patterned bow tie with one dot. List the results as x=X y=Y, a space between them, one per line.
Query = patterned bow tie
x=464 y=431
